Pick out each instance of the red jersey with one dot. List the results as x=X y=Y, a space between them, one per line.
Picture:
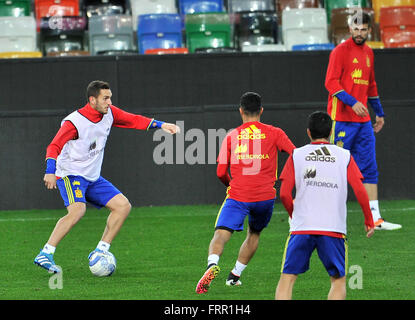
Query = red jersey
x=350 y=69
x=68 y=131
x=251 y=153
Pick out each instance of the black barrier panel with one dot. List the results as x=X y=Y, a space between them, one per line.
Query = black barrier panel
x=202 y=93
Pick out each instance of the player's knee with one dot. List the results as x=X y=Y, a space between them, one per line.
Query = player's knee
x=125 y=206
x=75 y=213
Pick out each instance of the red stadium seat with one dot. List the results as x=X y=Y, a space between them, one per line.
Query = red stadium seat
x=397 y=26
x=48 y=8
x=167 y=51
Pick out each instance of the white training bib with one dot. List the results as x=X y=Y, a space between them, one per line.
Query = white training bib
x=321 y=188
x=84 y=156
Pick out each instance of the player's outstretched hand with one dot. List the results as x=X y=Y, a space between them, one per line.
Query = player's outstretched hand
x=380 y=121
x=360 y=109
x=50 y=181
x=170 y=128
x=369 y=231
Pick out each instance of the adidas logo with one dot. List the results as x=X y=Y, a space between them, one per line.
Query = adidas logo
x=252 y=133
x=355 y=60
x=320 y=154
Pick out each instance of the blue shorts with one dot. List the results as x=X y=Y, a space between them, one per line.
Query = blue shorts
x=77 y=189
x=359 y=138
x=331 y=251
x=232 y=214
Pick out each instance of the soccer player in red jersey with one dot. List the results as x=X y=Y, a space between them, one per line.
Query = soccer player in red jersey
x=350 y=81
x=251 y=153
x=73 y=164
x=320 y=172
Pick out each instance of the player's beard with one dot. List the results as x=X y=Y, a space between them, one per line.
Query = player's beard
x=360 y=41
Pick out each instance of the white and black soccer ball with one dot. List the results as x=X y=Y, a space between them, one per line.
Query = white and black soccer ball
x=102 y=264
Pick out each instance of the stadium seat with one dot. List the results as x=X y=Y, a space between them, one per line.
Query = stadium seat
x=216 y=50
x=73 y=53
x=375 y=44
x=200 y=6
x=114 y=33
x=235 y=6
x=18 y=34
x=207 y=30
x=397 y=26
x=167 y=51
x=105 y=7
x=20 y=55
x=15 y=8
x=260 y=27
x=263 y=48
x=139 y=7
x=340 y=20
x=333 y=4
x=48 y=8
x=64 y=35
x=304 y=26
x=282 y=5
x=313 y=47
x=159 y=31
x=378 y=4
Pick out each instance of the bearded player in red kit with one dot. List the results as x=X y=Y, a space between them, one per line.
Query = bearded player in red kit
x=350 y=81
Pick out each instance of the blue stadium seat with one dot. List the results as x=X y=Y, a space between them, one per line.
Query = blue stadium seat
x=315 y=46
x=200 y=6
x=159 y=31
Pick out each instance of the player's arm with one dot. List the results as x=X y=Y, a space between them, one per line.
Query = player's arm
x=354 y=177
x=123 y=119
x=223 y=162
x=283 y=142
x=66 y=133
x=287 y=178
x=334 y=87
x=374 y=101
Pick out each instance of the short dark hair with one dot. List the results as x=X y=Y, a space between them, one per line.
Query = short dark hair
x=361 y=17
x=251 y=103
x=95 y=87
x=319 y=124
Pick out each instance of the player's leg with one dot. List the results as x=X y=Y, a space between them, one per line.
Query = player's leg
x=337 y=288
x=332 y=252
x=230 y=218
x=364 y=154
x=72 y=190
x=285 y=286
x=103 y=193
x=216 y=247
x=296 y=260
x=259 y=217
x=246 y=252
x=120 y=208
x=75 y=212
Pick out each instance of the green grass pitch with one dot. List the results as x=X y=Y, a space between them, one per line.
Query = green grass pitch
x=162 y=251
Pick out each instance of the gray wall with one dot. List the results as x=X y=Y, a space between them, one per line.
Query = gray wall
x=201 y=90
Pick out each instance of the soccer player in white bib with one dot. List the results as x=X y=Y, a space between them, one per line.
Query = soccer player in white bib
x=73 y=164
x=320 y=173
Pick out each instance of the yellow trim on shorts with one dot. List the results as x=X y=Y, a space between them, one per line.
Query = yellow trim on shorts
x=69 y=190
x=285 y=252
x=333 y=117
x=220 y=210
x=346 y=255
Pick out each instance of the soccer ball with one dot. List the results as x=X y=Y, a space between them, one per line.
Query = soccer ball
x=102 y=264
